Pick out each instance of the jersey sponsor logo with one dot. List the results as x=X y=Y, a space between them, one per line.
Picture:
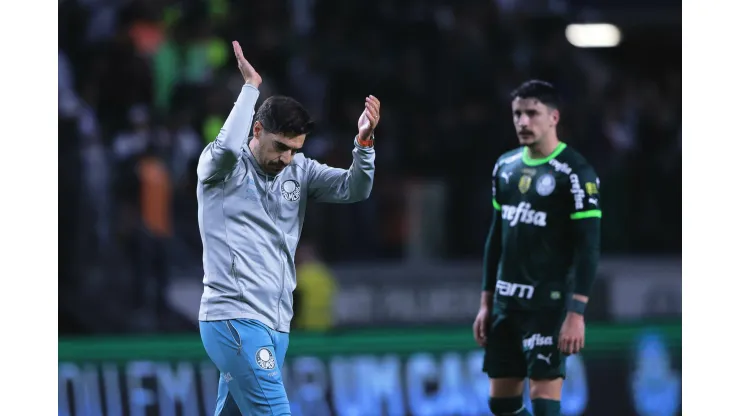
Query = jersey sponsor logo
x=577 y=191
x=524 y=214
x=524 y=183
x=265 y=359
x=291 y=190
x=561 y=167
x=545 y=184
x=516 y=290
x=536 y=340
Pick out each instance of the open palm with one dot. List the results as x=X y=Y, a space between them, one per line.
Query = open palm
x=250 y=75
x=369 y=118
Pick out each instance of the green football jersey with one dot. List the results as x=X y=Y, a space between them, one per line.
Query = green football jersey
x=538 y=201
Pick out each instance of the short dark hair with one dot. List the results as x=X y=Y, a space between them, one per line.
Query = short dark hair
x=543 y=91
x=284 y=115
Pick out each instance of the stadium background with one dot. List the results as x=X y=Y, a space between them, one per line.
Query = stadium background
x=388 y=288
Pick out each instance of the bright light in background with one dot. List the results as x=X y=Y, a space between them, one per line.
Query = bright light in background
x=593 y=35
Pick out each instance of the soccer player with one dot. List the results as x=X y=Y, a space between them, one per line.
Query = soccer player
x=540 y=259
x=252 y=194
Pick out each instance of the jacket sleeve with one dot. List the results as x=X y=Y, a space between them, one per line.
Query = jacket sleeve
x=221 y=156
x=335 y=185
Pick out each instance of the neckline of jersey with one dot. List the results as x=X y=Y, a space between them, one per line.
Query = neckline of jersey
x=529 y=161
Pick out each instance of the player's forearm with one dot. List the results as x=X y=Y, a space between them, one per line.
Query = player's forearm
x=492 y=252
x=345 y=185
x=361 y=174
x=486 y=299
x=223 y=153
x=588 y=247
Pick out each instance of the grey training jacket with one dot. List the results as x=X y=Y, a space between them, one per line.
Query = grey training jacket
x=250 y=222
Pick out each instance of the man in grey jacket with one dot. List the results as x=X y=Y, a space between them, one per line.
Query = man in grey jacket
x=252 y=195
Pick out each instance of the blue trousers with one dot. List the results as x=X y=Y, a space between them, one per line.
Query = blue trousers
x=249 y=356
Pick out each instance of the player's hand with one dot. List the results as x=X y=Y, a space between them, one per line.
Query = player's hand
x=369 y=118
x=480 y=326
x=251 y=76
x=572 y=334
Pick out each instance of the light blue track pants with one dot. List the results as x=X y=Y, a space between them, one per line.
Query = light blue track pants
x=249 y=356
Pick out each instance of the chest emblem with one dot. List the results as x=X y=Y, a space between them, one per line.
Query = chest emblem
x=545 y=184
x=524 y=184
x=291 y=190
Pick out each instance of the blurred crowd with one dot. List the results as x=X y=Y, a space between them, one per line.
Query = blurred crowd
x=144 y=85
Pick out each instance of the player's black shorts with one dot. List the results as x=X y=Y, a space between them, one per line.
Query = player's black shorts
x=524 y=344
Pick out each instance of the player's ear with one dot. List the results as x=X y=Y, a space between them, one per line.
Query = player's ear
x=555 y=116
x=257 y=130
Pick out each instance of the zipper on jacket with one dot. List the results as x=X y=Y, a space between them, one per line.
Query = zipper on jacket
x=282 y=282
x=282 y=265
x=271 y=212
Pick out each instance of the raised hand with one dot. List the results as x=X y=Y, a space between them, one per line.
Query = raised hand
x=251 y=76
x=369 y=118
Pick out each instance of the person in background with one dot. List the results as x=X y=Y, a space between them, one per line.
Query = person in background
x=313 y=299
x=156 y=229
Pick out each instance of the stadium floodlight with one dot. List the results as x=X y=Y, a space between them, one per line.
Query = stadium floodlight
x=593 y=35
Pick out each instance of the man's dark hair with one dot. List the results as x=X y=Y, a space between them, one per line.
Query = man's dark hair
x=542 y=91
x=284 y=115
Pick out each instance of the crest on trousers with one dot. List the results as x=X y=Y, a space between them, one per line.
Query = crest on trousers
x=524 y=183
x=265 y=359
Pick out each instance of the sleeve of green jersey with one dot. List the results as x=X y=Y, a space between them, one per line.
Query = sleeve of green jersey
x=586 y=218
x=492 y=250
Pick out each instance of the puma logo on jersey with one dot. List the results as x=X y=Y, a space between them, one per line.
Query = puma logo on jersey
x=523 y=213
x=537 y=340
x=544 y=358
x=506 y=176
